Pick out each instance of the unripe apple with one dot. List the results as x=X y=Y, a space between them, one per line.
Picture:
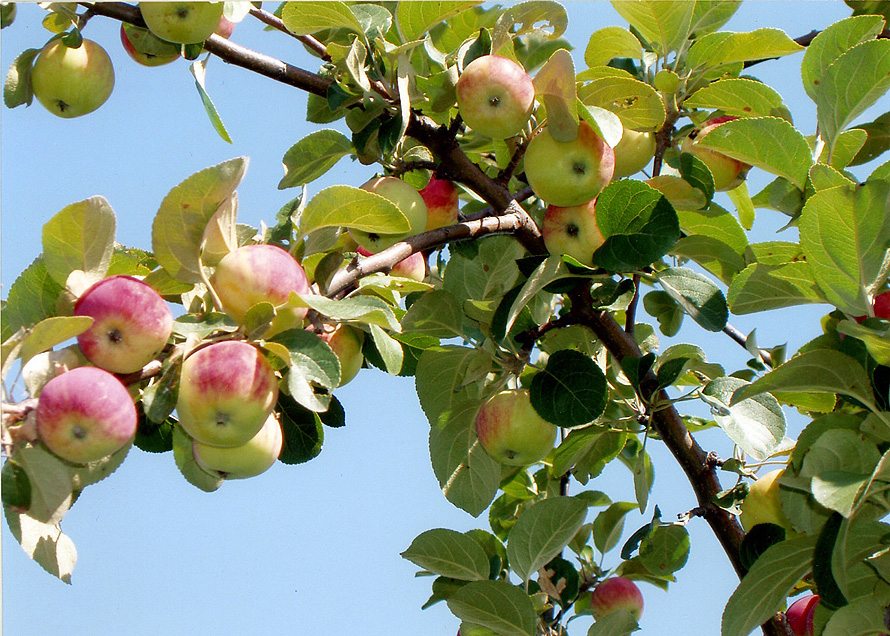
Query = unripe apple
x=85 y=414
x=495 y=96
x=72 y=82
x=226 y=392
x=253 y=274
x=573 y=231
x=763 y=505
x=511 y=431
x=617 y=593
x=182 y=22
x=247 y=460
x=633 y=152
x=131 y=324
x=146 y=48
x=728 y=173
x=567 y=173
x=442 y=204
x=800 y=615
x=346 y=343
x=407 y=199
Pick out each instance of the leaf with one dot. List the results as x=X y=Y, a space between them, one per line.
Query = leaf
x=449 y=553
x=184 y=457
x=665 y=550
x=302 y=431
x=446 y=378
x=199 y=71
x=542 y=531
x=490 y=274
x=80 y=236
x=555 y=86
x=52 y=331
x=347 y=206
x=717 y=49
x=305 y=18
x=837 y=490
x=17 y=87
x=609 y=524
x=416 y=18
x=619 y=622
x=570 y=391
x=51 y=495
x=32 y=297
x=755 y=424
x=761 y=287
x=497 y=605
x=53 y=550
x=551 y=269
x=665 y=24
x=737 y=96
x=637 y=105
x=436 y=313
x=525 y=18
x=313 y=369
x=611 y=42
x=313 y=156
x=389 y=349
x=697 y=295
x=364 y=309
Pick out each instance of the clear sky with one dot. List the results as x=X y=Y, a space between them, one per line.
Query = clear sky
x=313 y=548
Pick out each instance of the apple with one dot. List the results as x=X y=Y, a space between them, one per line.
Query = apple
x=800 y=615
x=72 y=82
x=85 y=414
x=407 y=199
x=146 y=48
x=131 y=324
x=633 y=152
x=225 y=28
x=495 y=96
x=247 y=460
x=413 y=267
x=728 y=173
x=442 y=205
x=182 y=22
x=567 y=173
x=573 y=231
x=346 y=342
x=762 y=503
x=253 y=274
x=511 y=431
x=227 y=390
x=880 y=307
x=617 y=593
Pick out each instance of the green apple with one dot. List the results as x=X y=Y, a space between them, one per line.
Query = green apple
x=763 y=505
x=85 y=414
x=442 y=204
x=633 y=152
x=226 y=392
x=346 y=343
x=573 y=231
x=616 y=593
x=182 y=22
x=495 y=96
x=407 y=199
x=728 y=173
x=511 y=431
x=146 y=48
x=567 y=173
x=247 y=460
x=72 y=82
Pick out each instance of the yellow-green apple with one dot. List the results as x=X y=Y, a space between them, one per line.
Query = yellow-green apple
x=616 y=593
x=442 y=205
x=728 y=173
x=145 y=48
x=253 y=274
x=85 y=414
x=573 y=231
x=511 y=431
x=567 y=173
x=226 y=392
x=407 y=199
x=182 y=22
x=72 y=82
x=131 y=323
x=346 y=343
x=495 y=96
x=247 y=460
x=800 y=615
x=633 y=152
x=413 y=267
x=763 y=505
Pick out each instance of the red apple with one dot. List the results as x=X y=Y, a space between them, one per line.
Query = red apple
x=442 y=205
x=413 y=267
x=573 y=231
x=226 y=392
x=633 y=152
x=495 y=96
x=407 y=199
x=882 y=305
x=131 y=324
x=728 y=173
x=617 y=593
x=800 y=615
x=72 y=82
x=511 y=431
x=247 y=460
x=346 y=342
x=85 y=414
x=146 y=48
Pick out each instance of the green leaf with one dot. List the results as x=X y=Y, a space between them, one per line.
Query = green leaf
x=542 y=531
x=302 y=431
x=717 y=49
x=555 y=86
x=832 y=42
x=661 y=306
x=389 y=349
x=199 y=71
x=17 y=88
x=184 y=457
x=347 y=206
x=447 y=377
x=52 y=549
x=416 y=18
x=93 y=472
x=553 y=268
x=830 y=594
x=449 y=553
x=665 y=24
x=619 y=622
x=80 y=236
x=501 y=607
x=524 y=18
x=609 y=524
x=756 y=424
x=697 y=295
x=611 y=42
x=761 y=287
x=637 y=104
x=52 y=331
x=32 y=297
x=313 y=370
x=436 y=314
x=490 y=274
x=837 y=490
x=742 y=97
x=313 y=156
x=364 y=309
x=570 y=391
x=305 y=18
x=51 y=495
x=665 y=550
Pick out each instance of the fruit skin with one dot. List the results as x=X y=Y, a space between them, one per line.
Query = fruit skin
x=413 y=267
x=253 y=274
x=511 y=431
x=182 y=22
x=407 y=199
x=85 y=414
x=573 y=231
x=244 y=461
x=154 y=51
x=882 y=305
x=346 y=342
x=762 y=503
x=633 y=152
x=72 y=82
x=131 y=324
x=442 y=204
x=567 y=173
x=495 y=96
x=617 y=593
x=226 y=392
x=800 y=615
x=728 y=173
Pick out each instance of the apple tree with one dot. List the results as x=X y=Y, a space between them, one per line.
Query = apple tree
x=533 y=228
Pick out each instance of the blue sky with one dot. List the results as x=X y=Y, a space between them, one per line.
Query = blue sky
x=311 y=548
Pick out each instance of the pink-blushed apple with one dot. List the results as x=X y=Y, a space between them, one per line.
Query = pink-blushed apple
x=413 y=267
x=728 y=173
x=146 y=48
x=131 y=323
x=225 y=28
x=85 y=414
x=182 y=22
x=407 y=199
x=247 y=460
x=442 y=204
x=800 y=615
x=72 y=82
x=616 y=593
x=226 y=392
x=511 y=431
x=567 y=173
x=634 y=152
x=763 y=505
x=495 y=96
x=573 y=231
x=253 y=274
x=346 y=343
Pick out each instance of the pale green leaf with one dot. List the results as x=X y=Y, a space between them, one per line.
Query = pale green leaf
x=50 y=548
x=52 y=331
x=364 y=309
x=32 y=297
x=347 y=206
x=304 y=17
x=527 y=17
x=389 y=349
x=488 y=275
x=449 y=553
x=699 y=297
x=717 y=49
x=80 y=236
x=609 y=524
x=555 y=86
x=501 y=607
x=542 y=531
x=742 y=97
x=51 y=493
x=416 y=18
x=436 y=314
x=665 y=24
x=761 y=287
x=611 y=42
x=184 y=457
x=756 y=425
x=199 y=71
x=17 y=87
x=313 y=156
x=445 y=380
x=637 y=104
